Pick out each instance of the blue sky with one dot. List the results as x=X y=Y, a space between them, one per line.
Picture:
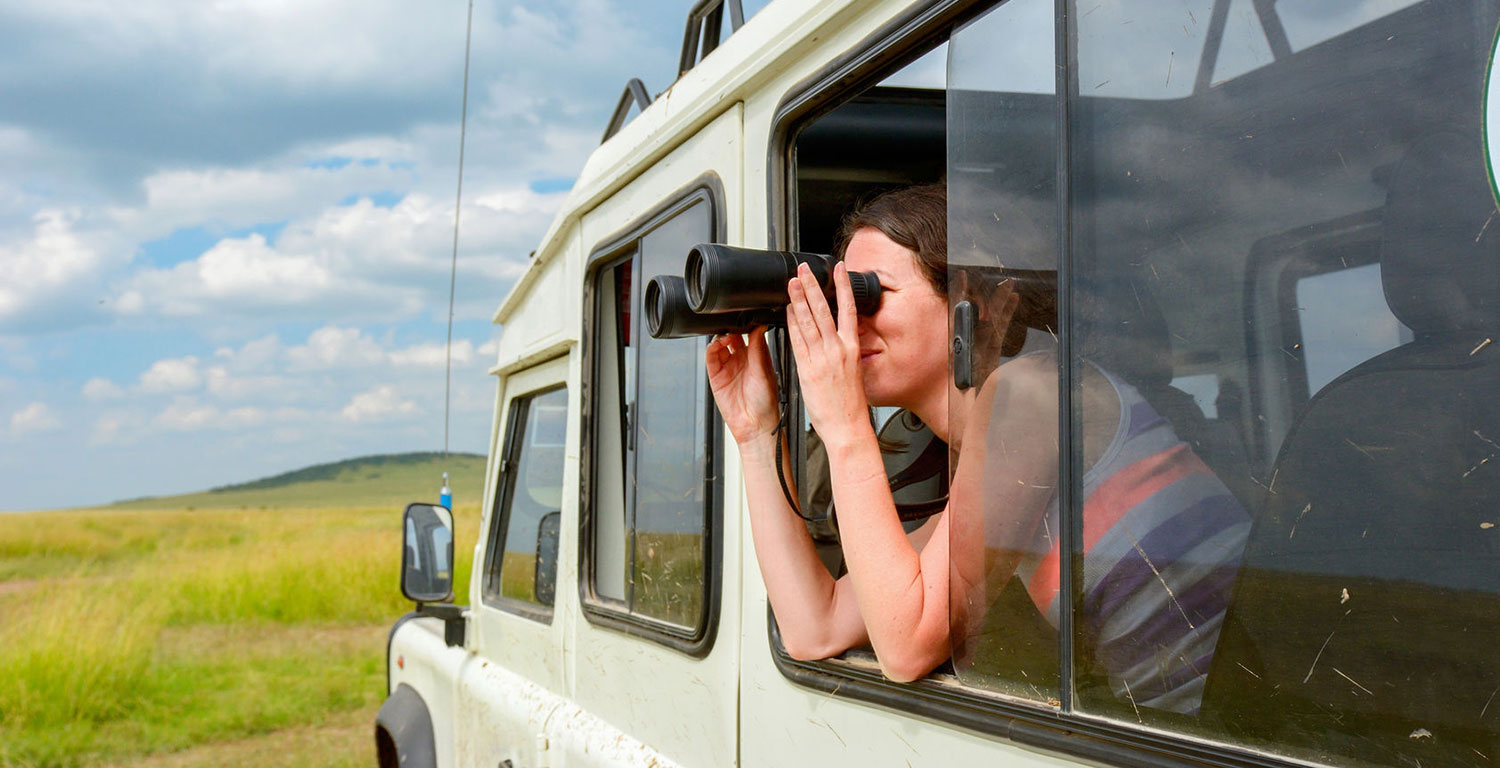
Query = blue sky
x=225 y=229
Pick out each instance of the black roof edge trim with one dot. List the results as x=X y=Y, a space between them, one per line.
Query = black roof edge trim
x=698 y=642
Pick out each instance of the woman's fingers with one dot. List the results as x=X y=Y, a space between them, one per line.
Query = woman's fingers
x=817 y=304
x=798 y=325
x=801 y=305
x=848 y=315
x=758 y=348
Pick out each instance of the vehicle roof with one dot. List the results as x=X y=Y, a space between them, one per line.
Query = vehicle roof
x=740 y=64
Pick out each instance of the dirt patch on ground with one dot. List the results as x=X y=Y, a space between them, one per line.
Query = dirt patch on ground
x=344 y=739
x=272 y=639
x=17 y=586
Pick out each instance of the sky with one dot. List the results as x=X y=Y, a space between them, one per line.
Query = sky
x=226 y=228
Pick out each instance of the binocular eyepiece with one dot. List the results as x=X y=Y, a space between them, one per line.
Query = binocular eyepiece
x=725 y=289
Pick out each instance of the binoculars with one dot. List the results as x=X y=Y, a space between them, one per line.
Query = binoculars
x=725 y=289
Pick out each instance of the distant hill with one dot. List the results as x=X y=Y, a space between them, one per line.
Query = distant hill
x=390 y=480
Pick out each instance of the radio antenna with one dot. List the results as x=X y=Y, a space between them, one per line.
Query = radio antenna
x=463 y=122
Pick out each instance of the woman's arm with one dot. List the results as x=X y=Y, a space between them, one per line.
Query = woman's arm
x=902 y=594
x=818 y=616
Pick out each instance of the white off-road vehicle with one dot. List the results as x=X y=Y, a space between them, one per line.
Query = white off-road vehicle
x=1271 y=221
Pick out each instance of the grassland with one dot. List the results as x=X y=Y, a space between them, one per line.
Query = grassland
x=240 y=627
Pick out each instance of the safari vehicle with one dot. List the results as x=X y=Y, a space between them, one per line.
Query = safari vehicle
x=1275 y=219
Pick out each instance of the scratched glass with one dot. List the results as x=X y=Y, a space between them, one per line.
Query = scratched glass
x=1284 y=208
x=1002 y=209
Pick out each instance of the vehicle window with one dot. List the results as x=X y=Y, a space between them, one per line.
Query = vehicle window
x=1002 y=245
x=1308 y=567
x=1343 y=321
x=531 y=490
x=651 y=473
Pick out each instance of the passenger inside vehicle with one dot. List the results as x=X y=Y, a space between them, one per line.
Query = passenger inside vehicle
x=1168 y=531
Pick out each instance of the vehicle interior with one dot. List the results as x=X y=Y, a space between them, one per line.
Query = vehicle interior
x=1293 y=262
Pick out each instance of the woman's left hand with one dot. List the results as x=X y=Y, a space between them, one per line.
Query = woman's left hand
x=827 y=356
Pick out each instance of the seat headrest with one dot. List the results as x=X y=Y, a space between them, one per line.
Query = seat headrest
x=1440 y=244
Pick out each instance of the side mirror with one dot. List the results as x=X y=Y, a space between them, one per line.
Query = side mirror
x=545 y=576
x=427 y=554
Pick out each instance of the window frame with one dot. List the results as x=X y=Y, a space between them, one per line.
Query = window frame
x=695 y=641
x=1285 y=259
x=1060 y=729
x=516 y=420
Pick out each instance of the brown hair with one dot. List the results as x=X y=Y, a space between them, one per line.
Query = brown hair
x=915 y=218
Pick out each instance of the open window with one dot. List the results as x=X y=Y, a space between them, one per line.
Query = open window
x=651 y=501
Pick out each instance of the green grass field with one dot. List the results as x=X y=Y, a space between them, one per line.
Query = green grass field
x=241 y=627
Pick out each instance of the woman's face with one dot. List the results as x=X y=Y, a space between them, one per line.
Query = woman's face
x=903 y=347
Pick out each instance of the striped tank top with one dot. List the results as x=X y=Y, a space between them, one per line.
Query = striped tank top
x=1162 y=539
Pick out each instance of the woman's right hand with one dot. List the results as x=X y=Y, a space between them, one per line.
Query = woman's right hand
x=744 y=386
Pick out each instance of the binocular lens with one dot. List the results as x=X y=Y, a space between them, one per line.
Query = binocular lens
x=668 y=315
x=732 y=290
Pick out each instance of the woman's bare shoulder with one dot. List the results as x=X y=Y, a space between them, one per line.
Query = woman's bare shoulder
x=1028 y=376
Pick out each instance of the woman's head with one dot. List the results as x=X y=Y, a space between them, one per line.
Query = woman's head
x=915 y=218
x=900 y=236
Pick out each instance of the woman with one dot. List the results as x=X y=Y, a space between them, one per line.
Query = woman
x=1003 y=502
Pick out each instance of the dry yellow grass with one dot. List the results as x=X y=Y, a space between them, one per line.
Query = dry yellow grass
x=205 y=637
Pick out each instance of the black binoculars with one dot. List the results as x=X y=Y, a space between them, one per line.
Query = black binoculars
x=725 y=289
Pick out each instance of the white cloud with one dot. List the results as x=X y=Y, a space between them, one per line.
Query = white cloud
x=358 y=262
x=334 y=347
x=100 y=389
x=224 y=384
x=432 y=355
x=35 y=417
x=241 y=271
x=117 y=427
x=254 y=355
x=48 y=266
x=172 y=375
x=191 y=416
x=379 y=404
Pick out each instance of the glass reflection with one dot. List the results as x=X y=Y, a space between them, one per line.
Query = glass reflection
x=1312 y=235
x=1002 y=235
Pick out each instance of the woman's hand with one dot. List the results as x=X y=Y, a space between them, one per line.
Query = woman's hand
x=744 y=386
x=827 y=356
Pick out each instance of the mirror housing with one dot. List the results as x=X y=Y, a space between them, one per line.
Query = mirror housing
x=427 y=553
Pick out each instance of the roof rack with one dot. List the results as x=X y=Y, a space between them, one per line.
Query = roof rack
x=705 y=22
x=635 y=92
